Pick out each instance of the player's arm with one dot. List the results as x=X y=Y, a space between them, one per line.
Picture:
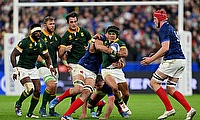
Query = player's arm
x=119 y=64
x=123 y=52
x=99 y=46
x=41 y=60
x=13 y=56
x=49 y=63
x=161 y=52
x=63 y=49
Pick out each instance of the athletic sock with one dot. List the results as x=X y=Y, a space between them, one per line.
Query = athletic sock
x=180 y=98
x=45 y=98
x=163 y=96
x=34 y=102
x=75 y=105
x=22 y=97
x=64 y=95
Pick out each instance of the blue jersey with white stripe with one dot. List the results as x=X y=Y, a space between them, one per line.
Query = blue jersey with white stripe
x=91 y=61
x=168 y=33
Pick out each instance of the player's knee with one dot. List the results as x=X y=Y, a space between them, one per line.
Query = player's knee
x=170 y=88
x=29 y=88
x=89 y=88
x=156 y=79
x=78 y=85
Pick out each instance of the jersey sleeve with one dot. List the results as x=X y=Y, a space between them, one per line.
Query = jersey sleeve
x=88 y=35
x=21 y=45
x=44 y=47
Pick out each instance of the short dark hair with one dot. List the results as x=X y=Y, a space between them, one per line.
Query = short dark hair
x=99 y=78
x=72 y=14
x=48 y=18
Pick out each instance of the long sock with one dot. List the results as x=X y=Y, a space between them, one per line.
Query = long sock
x=51 y=97
x=64 y=95
x=118 y=107
x=45 y=98
x=22 y=97
x=163 y=96
x=73 y=98
x=91 y=110
x=75 y=105
x=34 y=102
x=180 y=98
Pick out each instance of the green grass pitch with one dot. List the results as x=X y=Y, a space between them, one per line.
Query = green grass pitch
x=143 y=107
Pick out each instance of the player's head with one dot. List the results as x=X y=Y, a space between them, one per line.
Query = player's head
x=35 y=31
x=99 y=82
x=113 y=29
x=72 y=20
x=159 y=16
x=49 y=24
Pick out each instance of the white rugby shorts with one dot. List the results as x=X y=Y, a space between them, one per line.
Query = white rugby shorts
x=172 y=68
x=118 y=74
x=32 y=73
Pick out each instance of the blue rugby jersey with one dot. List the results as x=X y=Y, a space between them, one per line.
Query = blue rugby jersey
x=91 y=61
x=168 y=33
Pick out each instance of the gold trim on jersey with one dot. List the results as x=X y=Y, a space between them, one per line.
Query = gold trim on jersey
x=46 y=33
x=45 y=51
x=19 y=49
x=73 y=31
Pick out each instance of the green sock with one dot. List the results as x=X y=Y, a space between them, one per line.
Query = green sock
x=22 y=97
x=91 y=110
x=34 y=102
x=45 y=98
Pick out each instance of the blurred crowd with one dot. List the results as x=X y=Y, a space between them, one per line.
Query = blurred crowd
x=135 y=22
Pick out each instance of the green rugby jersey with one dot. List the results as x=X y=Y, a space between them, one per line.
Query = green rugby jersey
x=53 y=45
x=29 y=52
x=79 y=41
x=107 y=60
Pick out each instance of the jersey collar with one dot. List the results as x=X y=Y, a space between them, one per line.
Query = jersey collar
x=46 y=33
x=73 y=31
x=32 y=40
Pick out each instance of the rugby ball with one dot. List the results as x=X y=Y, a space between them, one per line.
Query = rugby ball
x=115 y=47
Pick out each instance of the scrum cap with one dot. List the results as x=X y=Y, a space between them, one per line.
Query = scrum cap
x=160 y=15
x=113 y=29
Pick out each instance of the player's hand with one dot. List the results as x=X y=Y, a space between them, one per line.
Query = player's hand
x=145 y=61
x=69 y=68
x=16 y=73
x=98 y=36
x=53 y=70
x=68 y=48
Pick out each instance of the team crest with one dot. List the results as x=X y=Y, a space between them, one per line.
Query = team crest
x=30 y=46
x=82 y=34
x=45 y=39
x=70 y=37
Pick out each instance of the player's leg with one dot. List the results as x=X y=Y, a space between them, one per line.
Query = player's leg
x=25 y=81
x=123 y=87
x=49 y=92
x=87 y=91
x=78 y=82
x=34 y=99
x=155 y=82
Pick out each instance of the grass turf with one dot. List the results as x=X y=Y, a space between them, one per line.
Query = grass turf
x=143 y=107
